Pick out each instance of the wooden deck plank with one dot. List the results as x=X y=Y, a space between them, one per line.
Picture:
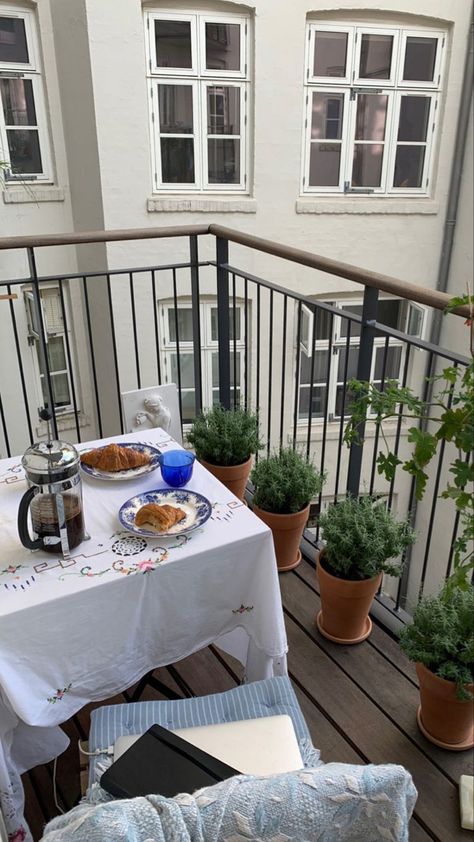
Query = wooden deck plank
x=204 y=673
x=394 y=694
x=376 y=737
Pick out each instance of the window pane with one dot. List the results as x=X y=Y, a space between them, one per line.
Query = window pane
x=320 y=367
x=322 y=328
x=185 y=324
x=415 y=320
x=13 y=47
x=420 y=59
x=61 y=395
x=223 y=161
x=340 y=408
x=187 y=370
x=409 y=166
x=326 y=116
x=375 y=56
x=215 y=369
x=188 y=404
x=388 y=313
x=25 y=156
x=351 y=365
x=371 y=117
x=18 y=102
x=318 y=402
x=56 y=353
x=355 y=326
x=173 y=43
x=223 y=46
x=324 y=164
x=414 y=116
x=231 y=324
x=176 y=109
x=392 y=366
x=330 y=54
x=177 y=160
x=223 y=110
x=367 y=167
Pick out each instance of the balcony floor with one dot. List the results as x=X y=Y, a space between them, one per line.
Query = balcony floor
x=359 y=703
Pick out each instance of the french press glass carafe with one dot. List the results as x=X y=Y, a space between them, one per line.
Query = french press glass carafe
x=54 y=498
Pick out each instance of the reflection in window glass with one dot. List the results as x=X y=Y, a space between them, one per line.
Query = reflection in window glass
x=24 y=149
x=18 y=103
x=326 y=116
x=414 y=116
x=324 y=164
x=223 y=160
x=330 y=54
x=409 y=163
x=13 y=47
x=367 y=166
x=173 y=43
x=375 y=56
x=177 y=160
x=176 y=109
x=371 y=117
x=223 y=46
x=223 y=110
x=420 y=59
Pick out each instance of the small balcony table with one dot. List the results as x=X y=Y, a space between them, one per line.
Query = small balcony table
x=83 y=629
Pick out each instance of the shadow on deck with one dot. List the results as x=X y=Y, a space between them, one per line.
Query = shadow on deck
x=359 y=702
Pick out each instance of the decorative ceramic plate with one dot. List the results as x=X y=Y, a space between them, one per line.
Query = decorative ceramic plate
x=129 y=473
x=198 y=509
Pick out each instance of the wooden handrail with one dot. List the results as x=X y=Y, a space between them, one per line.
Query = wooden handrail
x=385 y=283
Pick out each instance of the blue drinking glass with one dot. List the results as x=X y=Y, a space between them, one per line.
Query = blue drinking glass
x=176 y=467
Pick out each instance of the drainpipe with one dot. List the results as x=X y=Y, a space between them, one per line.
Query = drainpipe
x=448 y=236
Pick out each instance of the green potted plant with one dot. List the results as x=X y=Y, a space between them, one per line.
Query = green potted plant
x=361 y=537
x=441 y=643
x=224 y=441
x=285 y=482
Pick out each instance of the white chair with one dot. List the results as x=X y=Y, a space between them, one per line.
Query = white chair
x=157 y=406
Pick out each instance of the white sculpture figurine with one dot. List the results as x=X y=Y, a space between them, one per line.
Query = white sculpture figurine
x=155 y=412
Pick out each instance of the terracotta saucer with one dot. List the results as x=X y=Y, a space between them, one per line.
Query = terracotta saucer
x=468 y=743
x=292 y=565
x=364 y=636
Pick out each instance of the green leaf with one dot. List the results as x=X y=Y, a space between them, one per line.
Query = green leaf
x=420 y=477
x=425 y=445
x=463 y=472
x=387 y=464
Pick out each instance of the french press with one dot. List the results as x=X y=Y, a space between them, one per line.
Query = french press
x=54 y=497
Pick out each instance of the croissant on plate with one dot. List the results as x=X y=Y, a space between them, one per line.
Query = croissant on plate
x=159 y=517
x=113 y=457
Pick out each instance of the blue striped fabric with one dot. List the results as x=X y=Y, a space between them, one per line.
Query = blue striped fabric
x=271 y=697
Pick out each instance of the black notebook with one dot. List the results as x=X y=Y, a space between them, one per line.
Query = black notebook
x=162 y=763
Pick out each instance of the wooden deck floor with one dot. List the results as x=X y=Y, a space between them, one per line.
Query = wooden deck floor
x=359 y=702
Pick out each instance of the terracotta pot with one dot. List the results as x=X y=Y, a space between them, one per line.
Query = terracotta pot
x=345 y=604
x=287 y=532
x=234 y=477
x=444 y=719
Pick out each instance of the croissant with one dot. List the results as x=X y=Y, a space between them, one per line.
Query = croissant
x=112 y=457
x=159 y=517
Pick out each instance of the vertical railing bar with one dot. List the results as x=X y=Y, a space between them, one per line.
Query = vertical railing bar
x=178 y=357
x=94 y=372
x=270 y=372
x=325 y=423
x=134 y=327
x=377 y=423
x=43 y=345
x=435 y=499
x=246 y=363
x=5 y=432
x=234 y=343
x=364 y=367
x=343 y=406
x=114 y=346
x=223 y=331
x=283 y=369
x=196 y=320
x=399 y=422
x=257 y=379
x=453 y=540
x=297 y=376
x=311 y=386
x=20 y=365
x=155 y=323
x=69 y=359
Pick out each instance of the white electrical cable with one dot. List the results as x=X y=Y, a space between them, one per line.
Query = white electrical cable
x=109 y=751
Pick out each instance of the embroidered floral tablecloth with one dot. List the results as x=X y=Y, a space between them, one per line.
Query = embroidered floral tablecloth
x=80 y=630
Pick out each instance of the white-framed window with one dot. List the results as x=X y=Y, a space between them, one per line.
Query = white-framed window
x=370 y=99
x=24 y=143
x=329 y=346
x=177 y=343
x=57 y=349
x=198 y=80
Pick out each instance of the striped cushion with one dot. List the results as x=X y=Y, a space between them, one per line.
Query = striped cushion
x=250 y=701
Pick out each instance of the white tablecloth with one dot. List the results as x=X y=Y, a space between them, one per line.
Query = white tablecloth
x=84 y=629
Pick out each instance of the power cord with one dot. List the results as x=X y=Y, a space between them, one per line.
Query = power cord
x=109 y=751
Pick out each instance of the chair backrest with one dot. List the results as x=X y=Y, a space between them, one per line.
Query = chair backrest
x=157 y=406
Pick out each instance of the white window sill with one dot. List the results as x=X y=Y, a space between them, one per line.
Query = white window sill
x=205 y=204
x=364 y=205
x=21 y=194
x=333 y=430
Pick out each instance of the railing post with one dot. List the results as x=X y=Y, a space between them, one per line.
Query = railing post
x=194 y=260
x=364 y=367
x=223 y=328
x=43 y=343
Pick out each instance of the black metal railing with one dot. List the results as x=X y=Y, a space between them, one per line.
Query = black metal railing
x=247 y=340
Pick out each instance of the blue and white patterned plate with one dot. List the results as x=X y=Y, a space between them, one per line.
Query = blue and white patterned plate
x=198 y=509
x=130 y=473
